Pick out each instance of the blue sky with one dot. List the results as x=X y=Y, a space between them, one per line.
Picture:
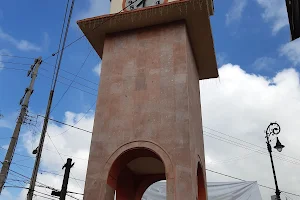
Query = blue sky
x=252 y=35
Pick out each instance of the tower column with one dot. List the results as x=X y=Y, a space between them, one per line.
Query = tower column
x=148 y=122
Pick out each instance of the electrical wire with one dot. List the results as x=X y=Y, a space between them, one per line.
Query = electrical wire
x=70 y=86
x=4 y=138
x=249 y=143
x=8 y=55
x=56 y=71
x=245 y=180
x=22 y=187
x=247 y=147
x=287 y=197
x=23 y=176
x=71 y=81
x=67 y=155
x=47 y=187
x=78 y=83
x=8 y=62
x=17 y=153
x=62 y=159
x=23 y=64
x=233 y=159
x=81 y=129
x=68 y=72
x=44 y=194
x=82 y=36
x=44 y=197
x=12 y=68
x=80 y=118
x=60 y=39
x=44 y=171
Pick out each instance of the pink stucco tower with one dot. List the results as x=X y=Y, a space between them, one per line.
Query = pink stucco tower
x=148 y=124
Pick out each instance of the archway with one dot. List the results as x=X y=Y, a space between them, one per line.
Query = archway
x=134 y=171
x=201 y=183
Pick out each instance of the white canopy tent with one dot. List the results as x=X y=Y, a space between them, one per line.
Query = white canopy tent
x=243 y=190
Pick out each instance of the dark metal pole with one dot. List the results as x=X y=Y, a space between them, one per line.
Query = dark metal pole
x=64 y=187
x=277 y=191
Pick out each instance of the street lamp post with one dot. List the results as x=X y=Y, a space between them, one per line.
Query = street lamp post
x=274 y=129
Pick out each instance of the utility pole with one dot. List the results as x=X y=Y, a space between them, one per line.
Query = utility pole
x=39 y=149
x=48 y=110
x=14 y=139
x=62 y=194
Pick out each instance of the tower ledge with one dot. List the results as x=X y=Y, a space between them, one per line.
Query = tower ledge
x=194 y=12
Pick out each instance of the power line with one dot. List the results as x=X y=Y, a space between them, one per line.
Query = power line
x=249 y=143
x=8 y=62
x=233 y=159
x=44 y=197
x=245 y=180
x=26 y=64
x=61 y=175
x=79 y=77
x=60 y=39
x=210 y=135
x=62 y=158
x=12 y=68
x=47 y=172
x=23 y=176
x=72 y=81
x=44 y=194
x=247 y=147
x=70 y=86
x=67 y=124
x=17 y=153
x=78 y=83
x=4 y=138
x=68 y=155
x=47 y=195
x=68 y=72
x=8 y=55
x=44 y=171
x=80 y=118
x=79 y=38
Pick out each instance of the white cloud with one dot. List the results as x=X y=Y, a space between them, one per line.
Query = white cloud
x=22 y=45
x=264 y=63
x=241 y=105
x=6 y=195
x=274 y=12
x=235 y=12
x=292 y=51
x=97 y=69
x=95 y=8
x=73 y=143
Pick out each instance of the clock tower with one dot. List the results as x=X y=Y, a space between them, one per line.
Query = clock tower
x=148 y=124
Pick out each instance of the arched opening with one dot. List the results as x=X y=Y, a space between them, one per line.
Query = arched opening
x=133 y=172
x=201 y=183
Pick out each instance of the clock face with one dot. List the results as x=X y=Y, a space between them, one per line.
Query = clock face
x=135 y=4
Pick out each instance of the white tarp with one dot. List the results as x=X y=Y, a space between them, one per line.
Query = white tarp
x=246 y=190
